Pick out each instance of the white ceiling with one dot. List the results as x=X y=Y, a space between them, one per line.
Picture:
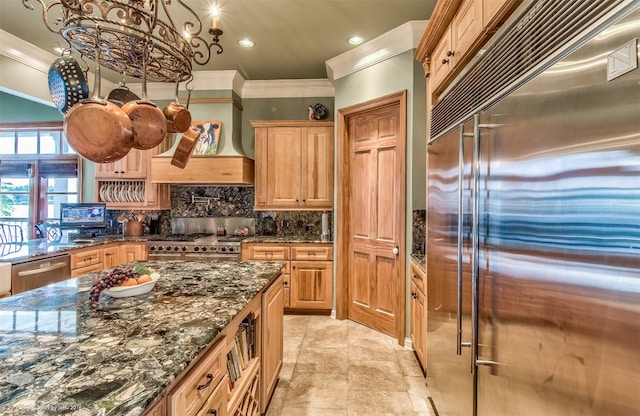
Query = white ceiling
x=294 y=38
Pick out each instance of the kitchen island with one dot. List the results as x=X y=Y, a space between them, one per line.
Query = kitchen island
x=62 y=354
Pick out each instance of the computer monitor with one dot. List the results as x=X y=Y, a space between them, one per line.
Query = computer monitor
x=83 y=215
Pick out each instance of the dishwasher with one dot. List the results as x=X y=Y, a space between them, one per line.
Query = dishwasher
x=38 y=272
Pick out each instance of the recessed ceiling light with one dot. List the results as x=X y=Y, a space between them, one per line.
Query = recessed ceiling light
x=246 y=43
x=355 y=40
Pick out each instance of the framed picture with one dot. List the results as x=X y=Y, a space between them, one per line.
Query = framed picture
x=208 y=137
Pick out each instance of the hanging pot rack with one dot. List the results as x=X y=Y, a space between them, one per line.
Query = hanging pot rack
x=125 y=28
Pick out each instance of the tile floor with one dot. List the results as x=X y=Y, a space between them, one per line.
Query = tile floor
x=339 y=368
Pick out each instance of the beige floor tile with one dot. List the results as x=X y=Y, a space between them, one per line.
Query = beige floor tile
x=326 y=337
x=408 y=363
x=324 y=391
x=295 y=325
x=291 y=349
x=277 y=400
x=323 y=360
x=379 y=403
x=310 y=411
x=375 y=376
x=372 y=352
x=286 y=372
x=418 y=393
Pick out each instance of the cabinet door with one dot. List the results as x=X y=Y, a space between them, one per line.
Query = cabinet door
x=311 y=284
x=441 y=60
x=132 y=251
x=283 y=154
x=111 y=256
x=132 y=166
x=492 y=10
x=466 y=28
x=418 y=338
x=272 y=344
x=261 y=166
x=316 y=179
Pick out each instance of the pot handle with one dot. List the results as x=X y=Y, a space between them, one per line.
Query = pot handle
x=96 y=82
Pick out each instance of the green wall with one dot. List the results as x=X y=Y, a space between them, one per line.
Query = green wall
x=14 y=109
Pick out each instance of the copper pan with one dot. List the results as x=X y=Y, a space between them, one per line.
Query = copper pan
x=178 y=116
x=97 y=129
x=149 y=122
x=185 y=147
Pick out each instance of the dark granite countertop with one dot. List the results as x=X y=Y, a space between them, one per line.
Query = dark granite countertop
x=61 y=354
x=12 y=253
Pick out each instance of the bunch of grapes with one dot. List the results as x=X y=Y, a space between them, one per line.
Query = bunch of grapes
x=114 y=278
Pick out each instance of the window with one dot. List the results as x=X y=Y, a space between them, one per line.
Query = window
x=38 y=171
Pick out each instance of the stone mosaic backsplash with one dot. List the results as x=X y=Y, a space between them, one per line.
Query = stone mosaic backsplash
x=419 y=231
x=224 y=201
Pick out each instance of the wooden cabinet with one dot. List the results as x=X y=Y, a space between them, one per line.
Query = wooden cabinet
x=311 y=284
x=307 y=276
x=158 y=409
x=294 y=165
x=132 y=251
x=455 y=33
x=85 y=261
x=418 y=313
x=132 y=166
x=126 y=183
x=200 y=383
x=111 y=256
x=95 y=259
x=466 y=28
x=272 y=340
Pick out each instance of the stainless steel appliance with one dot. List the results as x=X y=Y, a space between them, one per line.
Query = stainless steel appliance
x=533 y=247
x=202 y=239
x=196 y=247
x=38 y=272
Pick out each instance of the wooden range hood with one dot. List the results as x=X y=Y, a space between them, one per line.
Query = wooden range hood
x=229 y=167
x=204 y=170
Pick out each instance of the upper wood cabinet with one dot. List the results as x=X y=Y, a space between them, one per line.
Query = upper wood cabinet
x=126 y=183
x=132 y=166
x=455 y=33
x=294 y=165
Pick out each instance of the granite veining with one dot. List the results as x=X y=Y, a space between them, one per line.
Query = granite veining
x=62 y=354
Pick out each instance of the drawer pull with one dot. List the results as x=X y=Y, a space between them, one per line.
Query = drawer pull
x=213 y=412
x=208 y=383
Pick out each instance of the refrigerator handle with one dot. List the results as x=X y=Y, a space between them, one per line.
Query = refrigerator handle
x=460 y=219
x=475 y=242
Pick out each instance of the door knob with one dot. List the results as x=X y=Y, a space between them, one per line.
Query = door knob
x=395 y=250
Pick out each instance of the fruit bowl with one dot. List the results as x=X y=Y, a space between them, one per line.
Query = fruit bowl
x=126 y=291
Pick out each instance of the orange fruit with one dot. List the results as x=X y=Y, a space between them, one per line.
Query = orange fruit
x=144 y=278
x=129 y=282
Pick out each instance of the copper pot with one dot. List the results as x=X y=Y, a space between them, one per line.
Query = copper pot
x=97 y=129
x=178 y=116
x=149 y=122
x=185 y=148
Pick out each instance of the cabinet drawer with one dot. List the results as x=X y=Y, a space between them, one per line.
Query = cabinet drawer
x=418 y=276
x=269 y=253
x=217 y=402
x=199 y=384
x=86 y=258
x=311 y=253
x=88 y=269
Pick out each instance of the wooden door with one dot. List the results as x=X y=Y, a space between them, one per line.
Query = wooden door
x=316 y=182
x=284 y=149
x=374 y=215
x=466 y=28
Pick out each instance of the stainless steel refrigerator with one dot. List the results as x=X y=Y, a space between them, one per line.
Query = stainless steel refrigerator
x=533 y=242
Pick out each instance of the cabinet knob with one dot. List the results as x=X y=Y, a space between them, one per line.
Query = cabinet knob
x=213 y=412
x=450 y=53
x=445 y=61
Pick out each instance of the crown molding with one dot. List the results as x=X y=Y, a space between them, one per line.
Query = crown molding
x=392 y=43
x=24 y=52
x=287 y=88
